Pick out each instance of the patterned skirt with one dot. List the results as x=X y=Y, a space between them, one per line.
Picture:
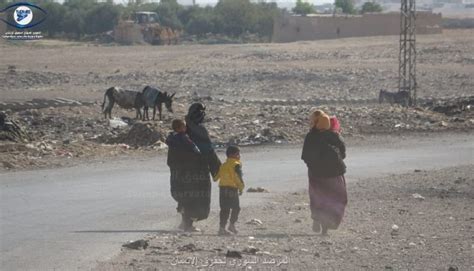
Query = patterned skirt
x=328 y=200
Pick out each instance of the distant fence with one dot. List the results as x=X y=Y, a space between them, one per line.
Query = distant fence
x=294 y=28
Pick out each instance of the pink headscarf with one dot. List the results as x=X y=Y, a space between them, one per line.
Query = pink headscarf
x=335 y=125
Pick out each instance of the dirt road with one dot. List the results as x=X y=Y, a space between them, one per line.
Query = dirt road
x=71 y=218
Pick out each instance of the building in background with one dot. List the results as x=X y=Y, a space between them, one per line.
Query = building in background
x=288 y=28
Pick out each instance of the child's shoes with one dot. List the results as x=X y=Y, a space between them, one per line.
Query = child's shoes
x=192 y=229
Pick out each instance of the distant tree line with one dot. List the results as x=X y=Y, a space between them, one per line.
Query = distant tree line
x=76 y=18
x=346 y=6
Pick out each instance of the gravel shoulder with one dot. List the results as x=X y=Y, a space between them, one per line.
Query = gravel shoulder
x=431 y=209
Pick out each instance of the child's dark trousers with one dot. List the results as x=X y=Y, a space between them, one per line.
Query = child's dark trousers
x=229 y=203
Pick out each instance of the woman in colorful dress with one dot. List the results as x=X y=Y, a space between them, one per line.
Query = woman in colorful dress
x=323 y=153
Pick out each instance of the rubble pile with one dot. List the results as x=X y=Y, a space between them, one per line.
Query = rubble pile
x=454 y=107
x=288 y=123
x=11 y=131
x=139 y=135
x=81 y=131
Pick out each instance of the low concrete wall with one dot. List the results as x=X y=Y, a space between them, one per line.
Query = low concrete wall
x=294 y=28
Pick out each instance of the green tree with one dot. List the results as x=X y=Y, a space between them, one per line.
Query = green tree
x=185 y=14
x=371 y=7
x=168 y=12
x=74 y=22
x=101 y=18
x=265 y=14
x=234 y=17
x=346 y=5
x=146 y=7
x=303 y=8
x=54 y=20
x=200 y=23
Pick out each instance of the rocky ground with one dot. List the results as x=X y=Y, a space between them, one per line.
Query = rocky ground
x=344 y=68
x=255 y=93
x=67 y=135
x=416 y=221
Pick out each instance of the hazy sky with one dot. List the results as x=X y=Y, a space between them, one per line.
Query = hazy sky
x=213 y=2
x=281 y=1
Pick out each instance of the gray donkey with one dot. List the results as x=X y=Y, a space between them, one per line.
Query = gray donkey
x=127 y=99
x=155 y=98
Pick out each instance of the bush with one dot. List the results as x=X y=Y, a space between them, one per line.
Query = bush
x=371 y=7
x=54 y=22
x=303 y=8
x=200 y=23
x=101 y=18
x=265 y=14
x=234 y=17
x=168 y=13
x=346 y=5
x=74 y=22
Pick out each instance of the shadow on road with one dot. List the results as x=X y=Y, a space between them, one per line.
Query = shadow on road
x=268 y=235
x=128 y=231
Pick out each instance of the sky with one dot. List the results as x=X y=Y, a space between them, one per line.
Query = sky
x=213 y=2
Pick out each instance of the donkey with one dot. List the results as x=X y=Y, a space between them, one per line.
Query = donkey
x=155 y=98
x=124 y=98
x=400 y=97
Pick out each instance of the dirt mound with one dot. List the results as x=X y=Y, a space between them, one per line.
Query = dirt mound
x=453 y=107
x=139 y=135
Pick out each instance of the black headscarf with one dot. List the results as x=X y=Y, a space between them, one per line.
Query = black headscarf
x=196 y=130
x=196 y=113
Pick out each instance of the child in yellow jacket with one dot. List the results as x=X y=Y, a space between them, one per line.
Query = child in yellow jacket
x=231 y=186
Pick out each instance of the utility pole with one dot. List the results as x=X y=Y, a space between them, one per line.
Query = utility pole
x=407 y=54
